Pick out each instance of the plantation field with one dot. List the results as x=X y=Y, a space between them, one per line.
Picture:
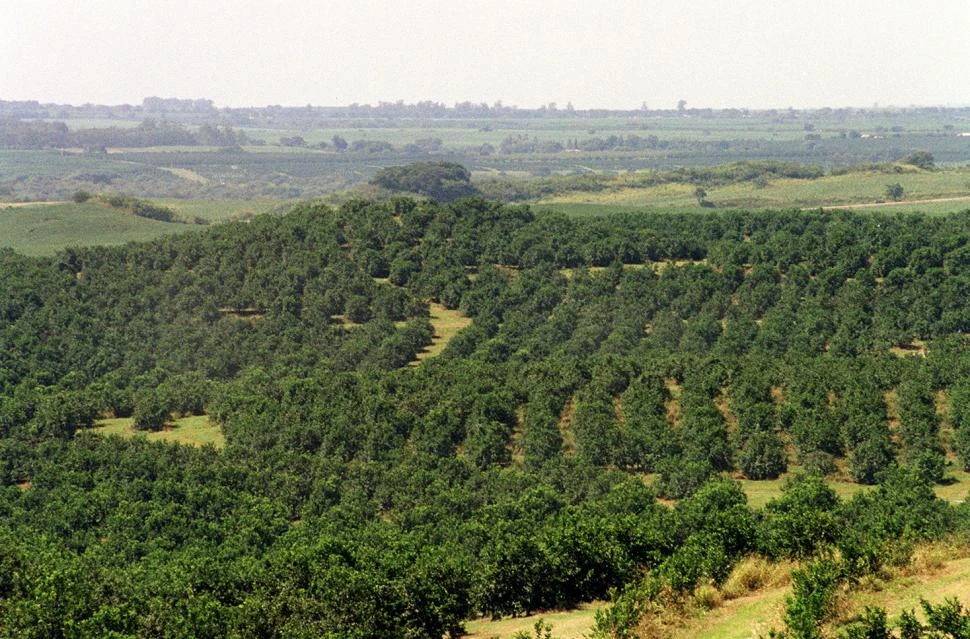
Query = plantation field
x=829 y=191
x=196 y=430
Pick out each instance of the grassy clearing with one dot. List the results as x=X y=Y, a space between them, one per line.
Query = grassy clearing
x=197 y=430
x=224 y=210
x=936 y=572
x=749 y=616
x=762 y=491
x=186 y=174
x=943 y=575
x=44 y=229
x=446 y=324
x=571 y=624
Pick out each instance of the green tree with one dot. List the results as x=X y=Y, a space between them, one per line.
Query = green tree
x=151 y=411
x=894 y=191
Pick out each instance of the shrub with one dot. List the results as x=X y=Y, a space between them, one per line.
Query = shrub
x=763 y=457
x=810 y=604
x=151 y=412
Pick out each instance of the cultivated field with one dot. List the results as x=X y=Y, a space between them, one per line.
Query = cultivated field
x=860 y=190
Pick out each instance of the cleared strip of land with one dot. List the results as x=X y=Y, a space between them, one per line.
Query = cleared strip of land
x=446 y=324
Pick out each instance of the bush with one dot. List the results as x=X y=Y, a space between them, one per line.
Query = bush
x=801 y=520
x=870 y=458
x=80 y=197
x=680 y=478
x=929 y=465
x=151 y=412
x=763 y=457
x=894 y=191
x=810 y=604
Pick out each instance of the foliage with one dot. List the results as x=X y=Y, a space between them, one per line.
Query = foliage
x=363 y=492
x=443 y=181
x=894 y=191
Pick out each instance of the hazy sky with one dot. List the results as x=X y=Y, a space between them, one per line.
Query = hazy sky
x=604 y=53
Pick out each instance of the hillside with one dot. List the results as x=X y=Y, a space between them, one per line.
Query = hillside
x=388 y=418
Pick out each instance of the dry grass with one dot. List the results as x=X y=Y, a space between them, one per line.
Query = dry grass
x=674 y=391
x=707 y=597
x=571 y=624
x=186 y=174
x=917 y=348
x=755 y=573
x=566 y=426
x=891 y=398
x=723 y=404
x=446 y=324
x=935 y=572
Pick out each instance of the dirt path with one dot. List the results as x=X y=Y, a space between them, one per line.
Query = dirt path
x=19 y=205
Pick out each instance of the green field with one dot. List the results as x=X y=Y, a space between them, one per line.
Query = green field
x=197 y=430
x=224 y=210
x=45 y=228
x=867 y=188
x=760 y=492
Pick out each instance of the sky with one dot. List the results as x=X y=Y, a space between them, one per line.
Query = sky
x=594 y=54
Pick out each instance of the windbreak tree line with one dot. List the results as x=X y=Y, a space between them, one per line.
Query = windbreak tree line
x=358 y=496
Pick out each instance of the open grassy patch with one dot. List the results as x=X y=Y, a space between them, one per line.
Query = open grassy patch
x=570 y=624
x=197 y=430
x=760 y=492
x=751 y=615
x=44 y=229
x=446 y=324
x=224 y=210
x=937 y=572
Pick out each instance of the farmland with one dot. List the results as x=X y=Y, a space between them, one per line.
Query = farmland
x=650 y=383
x=300 y=153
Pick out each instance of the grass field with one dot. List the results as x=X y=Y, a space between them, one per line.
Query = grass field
x=223 y=210
x=935 y=573
x=45 y=228
x=195 y=431
x=760 y=492
x=833 y=190
x=569 y=624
